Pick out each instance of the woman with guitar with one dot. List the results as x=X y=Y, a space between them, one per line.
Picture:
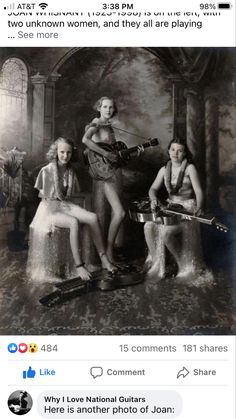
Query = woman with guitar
x=100 y=131
x=182 y=183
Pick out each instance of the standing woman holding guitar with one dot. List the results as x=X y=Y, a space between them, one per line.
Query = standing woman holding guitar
x=101 y=131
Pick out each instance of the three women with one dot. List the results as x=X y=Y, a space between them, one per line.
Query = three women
x=57 y=183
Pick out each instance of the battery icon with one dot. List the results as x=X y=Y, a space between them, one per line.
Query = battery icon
x=224 y=6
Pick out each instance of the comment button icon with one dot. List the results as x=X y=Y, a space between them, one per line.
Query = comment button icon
x=96 y=372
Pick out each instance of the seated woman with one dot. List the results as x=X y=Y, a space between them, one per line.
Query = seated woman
x=181 y=180
x=57 y=184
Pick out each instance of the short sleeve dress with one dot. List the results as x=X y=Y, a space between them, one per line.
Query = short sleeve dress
x=50 y=256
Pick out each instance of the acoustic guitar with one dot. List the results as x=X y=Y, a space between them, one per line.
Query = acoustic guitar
x=141 y=212
x=101 y=280
x=102 y=168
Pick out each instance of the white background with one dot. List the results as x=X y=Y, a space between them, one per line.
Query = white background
x=218 y=27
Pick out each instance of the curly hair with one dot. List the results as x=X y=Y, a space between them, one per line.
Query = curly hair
x=52 y=152
x=98 y=104
x=182 y=142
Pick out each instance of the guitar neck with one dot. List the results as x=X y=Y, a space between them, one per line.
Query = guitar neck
x=135 y=148
x=204 y=220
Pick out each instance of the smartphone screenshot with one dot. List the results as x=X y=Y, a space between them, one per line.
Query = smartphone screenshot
x=117 y=209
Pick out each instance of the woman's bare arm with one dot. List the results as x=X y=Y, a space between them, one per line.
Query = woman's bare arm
x=87 y=140
x=92 y=145
x=158 y=182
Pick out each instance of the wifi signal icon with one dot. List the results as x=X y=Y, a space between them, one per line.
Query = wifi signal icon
x=43 y=5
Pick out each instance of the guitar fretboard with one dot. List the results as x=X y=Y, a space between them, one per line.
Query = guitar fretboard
x=135 y=148
x=204 y=220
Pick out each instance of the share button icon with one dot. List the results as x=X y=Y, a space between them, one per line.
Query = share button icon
x=183 y=372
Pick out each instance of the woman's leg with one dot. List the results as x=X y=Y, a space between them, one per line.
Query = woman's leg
x=117 y=216
x=172 y=236
x=150 y=238
x=90 y=218
x=66 y=221
x=155 y=263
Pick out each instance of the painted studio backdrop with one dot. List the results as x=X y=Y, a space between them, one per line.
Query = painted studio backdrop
x=160 y=92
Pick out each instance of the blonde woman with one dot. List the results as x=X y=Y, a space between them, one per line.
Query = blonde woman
x=57 y=184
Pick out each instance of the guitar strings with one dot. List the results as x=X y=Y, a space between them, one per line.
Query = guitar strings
x=128 y=132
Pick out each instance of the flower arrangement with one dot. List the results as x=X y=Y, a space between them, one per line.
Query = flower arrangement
x=11 y=175
x=12 y=161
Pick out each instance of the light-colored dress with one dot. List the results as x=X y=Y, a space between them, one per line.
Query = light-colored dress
x=193 y=266
x=50 y=256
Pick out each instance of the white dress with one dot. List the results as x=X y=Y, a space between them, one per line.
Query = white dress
x=50 y=256
x=193 y=266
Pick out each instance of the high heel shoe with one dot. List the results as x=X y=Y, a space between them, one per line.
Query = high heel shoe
x=106 y=264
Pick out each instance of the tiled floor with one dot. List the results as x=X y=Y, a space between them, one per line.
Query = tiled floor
x=149 y=308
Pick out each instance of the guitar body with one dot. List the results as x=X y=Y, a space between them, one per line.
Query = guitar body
x=140 y=211
x=101 y=281
x=100 y=167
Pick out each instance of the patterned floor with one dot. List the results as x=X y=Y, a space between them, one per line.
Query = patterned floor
x=149 y=308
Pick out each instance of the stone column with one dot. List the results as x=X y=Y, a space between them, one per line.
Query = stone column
x=178 y=108
x=38 y=82
x=49 y=111
x=195 y=129
x=43 y=113
x=212 y=150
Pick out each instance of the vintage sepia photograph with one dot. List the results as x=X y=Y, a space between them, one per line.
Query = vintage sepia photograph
x=117 y=191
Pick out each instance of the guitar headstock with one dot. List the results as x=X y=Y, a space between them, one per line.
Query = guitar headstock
x=220 y=226
x=153 y=141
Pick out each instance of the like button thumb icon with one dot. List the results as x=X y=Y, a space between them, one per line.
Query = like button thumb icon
x=29 y=374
